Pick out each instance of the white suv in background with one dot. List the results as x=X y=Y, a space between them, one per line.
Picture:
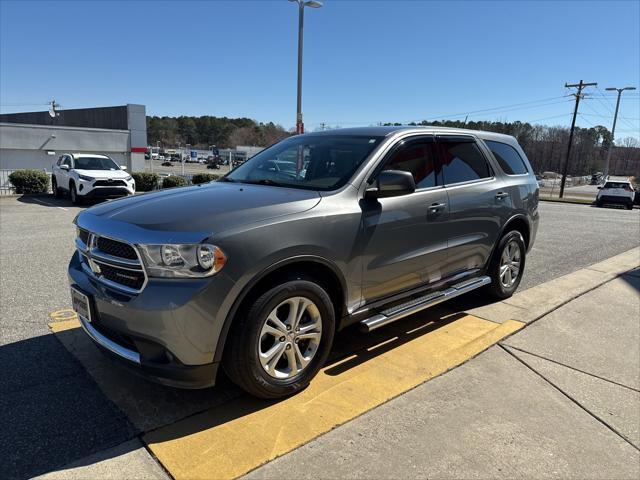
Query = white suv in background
x=90 y=175
x=616 y=192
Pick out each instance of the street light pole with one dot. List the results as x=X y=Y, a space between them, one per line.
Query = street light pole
x=301 y=5
x=613 y=129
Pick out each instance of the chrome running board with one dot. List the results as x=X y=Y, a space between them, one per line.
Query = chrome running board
x=409 y=308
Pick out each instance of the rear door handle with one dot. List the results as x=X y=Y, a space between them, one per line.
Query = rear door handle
x=501 y=195
x=437 y=207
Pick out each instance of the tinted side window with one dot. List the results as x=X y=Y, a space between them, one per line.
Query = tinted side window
x=67 y=161
x=463 y=162
x=508 y=157
x=417 y=158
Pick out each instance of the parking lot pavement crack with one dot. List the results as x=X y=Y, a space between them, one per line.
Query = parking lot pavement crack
x=568 y=396
x=569 y=367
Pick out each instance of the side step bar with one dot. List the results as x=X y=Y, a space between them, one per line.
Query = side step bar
x=404 y=310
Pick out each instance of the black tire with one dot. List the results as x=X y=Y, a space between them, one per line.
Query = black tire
x=73 y=194
x=629 y=206
x=241 y=357
x=54 y=187
x=496 y=288
x=598 y=204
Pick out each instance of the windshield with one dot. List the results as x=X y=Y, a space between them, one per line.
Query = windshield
x=315 y=162
x=95 y=163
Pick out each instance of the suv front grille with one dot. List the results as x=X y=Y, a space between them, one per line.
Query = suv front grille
x=117 y=249
x=112 y=262
x=107 y=183
x=128 y=278
x=84 y=236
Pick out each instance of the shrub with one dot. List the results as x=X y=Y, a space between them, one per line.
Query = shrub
x=199 y=178
x=30 y=181
x=145 y=181
x=174 y=181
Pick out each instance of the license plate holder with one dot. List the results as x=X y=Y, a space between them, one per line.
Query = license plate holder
x=80 y=304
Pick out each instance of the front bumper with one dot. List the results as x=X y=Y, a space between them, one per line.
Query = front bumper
x=168 y=332
x=106 y=192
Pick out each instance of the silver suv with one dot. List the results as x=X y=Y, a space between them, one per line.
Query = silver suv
x=257 y=271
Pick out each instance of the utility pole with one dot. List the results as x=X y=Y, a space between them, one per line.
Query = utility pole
x=613 y=129
x=301 y=5
x=580 y=86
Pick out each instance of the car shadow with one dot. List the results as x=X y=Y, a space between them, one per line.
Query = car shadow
x=62 y=400
x=50 y=201
x=51 y=410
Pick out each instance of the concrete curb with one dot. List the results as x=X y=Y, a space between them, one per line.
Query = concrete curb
x=536 y=302
x=571 y=200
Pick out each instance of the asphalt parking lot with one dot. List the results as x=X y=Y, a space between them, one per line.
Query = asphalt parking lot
x=52 y=411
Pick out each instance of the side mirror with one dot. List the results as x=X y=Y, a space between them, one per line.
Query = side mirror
x=64 y=167
x=599 y=188
x=123 y=167
x=392 y=183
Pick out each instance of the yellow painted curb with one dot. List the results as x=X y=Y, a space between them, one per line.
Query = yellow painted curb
x=63 y=325
x=233 y=439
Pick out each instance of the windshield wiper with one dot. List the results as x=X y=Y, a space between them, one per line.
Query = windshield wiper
x=264 y=181
x=226 y=179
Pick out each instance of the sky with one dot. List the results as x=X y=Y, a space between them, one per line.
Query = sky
x=365 y=61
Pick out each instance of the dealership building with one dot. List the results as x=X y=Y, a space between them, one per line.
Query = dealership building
x=37 y=139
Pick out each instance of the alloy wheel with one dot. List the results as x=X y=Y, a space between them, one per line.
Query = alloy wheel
x=510 y=262
x=290 y=337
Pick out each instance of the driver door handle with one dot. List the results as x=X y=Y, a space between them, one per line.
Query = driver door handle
x=437 y=207
x=501 y=195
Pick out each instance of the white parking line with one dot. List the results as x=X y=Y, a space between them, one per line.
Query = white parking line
x=50 y=204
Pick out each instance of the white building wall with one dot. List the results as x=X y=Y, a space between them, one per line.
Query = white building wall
x=26 y=146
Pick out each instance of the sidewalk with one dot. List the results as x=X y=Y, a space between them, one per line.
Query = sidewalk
x=560 y=398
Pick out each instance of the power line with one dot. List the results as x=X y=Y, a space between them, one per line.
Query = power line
x=501 y=109
x=549 y=118
x=610 y=116
x=504 y=108
x=610 y=103
x=22 y=104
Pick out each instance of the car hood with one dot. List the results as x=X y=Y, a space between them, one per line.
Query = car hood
x=199 y=210
x=116 y=174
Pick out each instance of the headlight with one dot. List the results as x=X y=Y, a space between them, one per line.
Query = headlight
x=128 y=178
x=85 y=178
x=182 y=261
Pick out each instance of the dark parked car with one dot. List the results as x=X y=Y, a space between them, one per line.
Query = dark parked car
x=167 y=164
x=258 y=271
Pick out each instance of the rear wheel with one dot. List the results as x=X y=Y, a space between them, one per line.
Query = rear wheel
x=629 y=206
x=278 y=346
x=507 y=265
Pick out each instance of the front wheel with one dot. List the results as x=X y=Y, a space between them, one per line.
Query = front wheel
x=75 y=199
x=507 y=265
x=54 y=187
x=278 y=346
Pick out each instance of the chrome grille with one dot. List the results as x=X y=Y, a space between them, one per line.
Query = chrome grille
x=112 y=262
x=109 y=183
x=115 y=248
